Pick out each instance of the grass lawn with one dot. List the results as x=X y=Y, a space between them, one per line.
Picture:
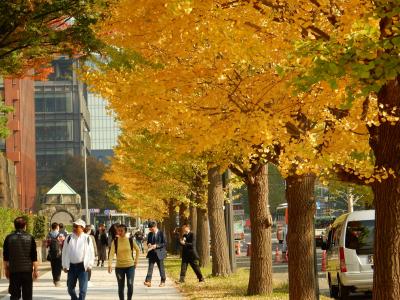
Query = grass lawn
x=232 y=287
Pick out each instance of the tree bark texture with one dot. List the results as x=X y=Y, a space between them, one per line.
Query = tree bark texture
x=219 y=244
x=183 y=214
x=300 y=238
x=385 y=142
x=170 y=224
x=260 y=281
x=193 y=219
x=203 y=237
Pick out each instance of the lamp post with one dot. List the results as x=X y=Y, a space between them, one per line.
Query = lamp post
x=86 y=180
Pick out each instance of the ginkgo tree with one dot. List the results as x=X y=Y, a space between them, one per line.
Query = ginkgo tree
x=215 y=84
x=155 y=181
x=359 y=57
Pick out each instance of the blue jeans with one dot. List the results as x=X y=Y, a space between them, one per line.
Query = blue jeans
x=130 y=275
x=140 y=245
x=77 y=272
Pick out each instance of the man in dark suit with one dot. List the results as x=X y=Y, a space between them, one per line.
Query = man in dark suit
x=157 y=252
x=189 y=254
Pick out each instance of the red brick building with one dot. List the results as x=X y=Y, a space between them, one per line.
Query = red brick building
x=20 y=145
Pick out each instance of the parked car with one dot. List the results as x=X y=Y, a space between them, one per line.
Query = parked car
x=350 y=257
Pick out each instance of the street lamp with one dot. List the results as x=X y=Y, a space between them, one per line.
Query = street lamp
x=86 y=181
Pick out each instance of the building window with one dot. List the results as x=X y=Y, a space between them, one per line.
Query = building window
x=55 y=131
x=53 y=103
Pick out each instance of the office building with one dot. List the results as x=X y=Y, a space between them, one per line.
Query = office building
x=62 y=120
x=19 y=146
x=104 y=129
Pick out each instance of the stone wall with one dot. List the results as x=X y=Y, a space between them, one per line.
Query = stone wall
x=8 y=183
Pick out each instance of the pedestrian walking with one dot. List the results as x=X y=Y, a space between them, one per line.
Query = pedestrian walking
x=157 y=252
x=102 y=243
x=112 y=233
x=123 y=247
x=62 y=230
x=20 y=261
x=88 y=230
x=78 y=259
x=54 y=243
x=139 y=237
x=189 y=254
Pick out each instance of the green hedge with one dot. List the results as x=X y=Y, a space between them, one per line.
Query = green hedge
x=36 y=225
x=7 y=217
x=40 y=227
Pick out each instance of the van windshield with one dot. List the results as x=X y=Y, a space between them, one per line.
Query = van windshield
x=360 y=236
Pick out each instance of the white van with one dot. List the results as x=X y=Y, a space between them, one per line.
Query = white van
x=349 y=253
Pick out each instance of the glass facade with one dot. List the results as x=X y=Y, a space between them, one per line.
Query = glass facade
x=62 y=119
x=104 y=128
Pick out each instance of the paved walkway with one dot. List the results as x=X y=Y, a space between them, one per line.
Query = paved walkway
x=104 y=286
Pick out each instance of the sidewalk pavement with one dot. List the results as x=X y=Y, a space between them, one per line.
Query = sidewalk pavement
x=104 y=286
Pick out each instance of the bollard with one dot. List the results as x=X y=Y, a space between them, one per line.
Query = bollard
x=323 y=263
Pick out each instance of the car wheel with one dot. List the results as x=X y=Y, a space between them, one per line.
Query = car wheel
x=333 y=289
x=344 y=291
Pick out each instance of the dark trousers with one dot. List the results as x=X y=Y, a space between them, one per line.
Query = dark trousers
x=20 y=281
x=121 y=273
x=195 y=266
x=160 y=265
x=56 y=268
x=77 y=272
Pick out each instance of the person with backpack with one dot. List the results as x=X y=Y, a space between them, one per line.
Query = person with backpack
x=77 y=259
x=62 y=230
x=54 y=244
x=88 y=230
x=123 y=246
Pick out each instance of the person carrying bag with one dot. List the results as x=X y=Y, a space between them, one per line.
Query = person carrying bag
x=123 y=247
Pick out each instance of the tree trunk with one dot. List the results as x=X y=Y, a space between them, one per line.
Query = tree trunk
x=170 y=224
x=203 y=237
x=260 y=281
x=350 y=200
x=300 y=238
x=193 y=219
x=183 y=217
x=385 y=142
x=219 y=243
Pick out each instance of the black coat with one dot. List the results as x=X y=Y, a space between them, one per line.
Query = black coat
x=160 y=240
x=189 y=251
x=20 y=251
